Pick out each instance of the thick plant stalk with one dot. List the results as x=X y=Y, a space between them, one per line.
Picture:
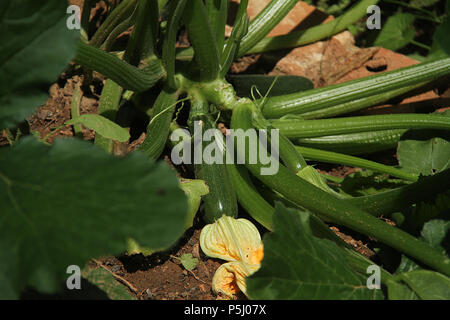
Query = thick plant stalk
x=316 y=33
x=264 y=22
x=291 y=157
x=299 y=38
x=202 y=39
x=217 y=14
x=295 y=129
x=240 y=29
x=325 y=205
x=126 y=75
x=334 y=95
x=249 y=198
x=142 y=40
x=159 y=126
x=263 y=212
x=221 y=199
x=339 y=158
x=119 y=14
x=122 y=27
x=176 y=10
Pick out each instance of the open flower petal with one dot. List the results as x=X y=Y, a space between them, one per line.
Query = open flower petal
x=229 y=278
x=232 y=239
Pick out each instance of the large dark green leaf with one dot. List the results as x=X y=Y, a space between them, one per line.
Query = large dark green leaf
x=297 y=265
x=35 y=46
x=435 y=233
x=424 y=157
x=397 y=32
x=400 y=291
x=428 y=285
x=65 y=204
x=366 y=182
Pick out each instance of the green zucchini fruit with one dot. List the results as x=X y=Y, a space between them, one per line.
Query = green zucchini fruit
x=221 y=199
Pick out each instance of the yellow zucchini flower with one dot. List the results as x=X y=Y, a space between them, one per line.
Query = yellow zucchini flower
x=237 y=241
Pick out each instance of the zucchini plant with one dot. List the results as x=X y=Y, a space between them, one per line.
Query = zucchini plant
x=188 y=89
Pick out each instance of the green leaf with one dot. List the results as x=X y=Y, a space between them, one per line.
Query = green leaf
x=65 y=204
x=434 y=233
x=424 y=157
x=420 y=283
x=106 y=282
x=428 y=285
x=188 y=261
x=397 y=32
x=35 y=46
x=194 y=190
x=400 y=291
x=442 y=32
x=283 y=84
x=366 y=182
x=102 y=126
x=297 y=265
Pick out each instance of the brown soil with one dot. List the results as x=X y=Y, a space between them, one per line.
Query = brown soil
x=162 y=276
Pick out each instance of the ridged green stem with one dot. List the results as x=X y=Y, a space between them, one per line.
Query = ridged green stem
x=201 y=36
x=355 y=143
x=159 y=126
x=334 y=95
x=119 y=14
x=126 y=75
x=339 y=158
x=322 y=127
x=264 y=22
x=359 y=104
